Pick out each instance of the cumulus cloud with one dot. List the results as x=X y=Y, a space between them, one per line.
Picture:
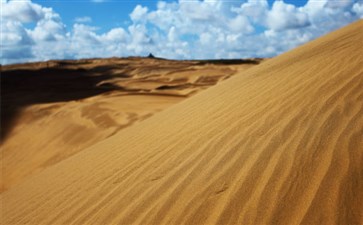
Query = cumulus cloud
x=284 y=16
x=22 y=11
x=16 y=44
x=178 y=29
x=116 y=35
x=139 y=13
x=23 y=44
x=358 y=9
x=255 y=10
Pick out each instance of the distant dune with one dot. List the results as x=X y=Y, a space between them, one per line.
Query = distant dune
x=281 y=143
x=52 y=110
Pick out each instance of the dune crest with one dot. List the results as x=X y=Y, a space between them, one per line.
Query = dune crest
x=280 y=144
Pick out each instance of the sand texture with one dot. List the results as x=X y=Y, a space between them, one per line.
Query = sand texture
x=52 y=110
x=281 y=143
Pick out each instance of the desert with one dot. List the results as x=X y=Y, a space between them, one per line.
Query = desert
x=71 y=105
x=275 y=141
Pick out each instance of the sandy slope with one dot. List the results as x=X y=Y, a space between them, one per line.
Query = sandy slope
x=281 y=144
x=52 y=110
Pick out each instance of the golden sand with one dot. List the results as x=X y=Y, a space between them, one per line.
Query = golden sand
x=281 y=143
x=52 y=110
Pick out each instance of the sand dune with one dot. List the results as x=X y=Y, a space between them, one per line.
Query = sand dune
x=52 y=110
x=279 y=144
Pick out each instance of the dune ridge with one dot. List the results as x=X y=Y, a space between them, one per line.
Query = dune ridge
x=280 y=144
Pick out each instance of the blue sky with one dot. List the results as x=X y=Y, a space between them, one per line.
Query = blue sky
x=112 y=13
x=179 y=29
x=105 y=15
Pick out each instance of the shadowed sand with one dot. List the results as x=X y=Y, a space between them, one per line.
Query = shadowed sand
x=52 y=110
x=280 y=144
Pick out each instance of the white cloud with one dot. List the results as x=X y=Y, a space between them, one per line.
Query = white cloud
x=240 y=24
x=22 y=11
x=84 y=19
x=48 y=30
x=179 y=29
x=84 y=35
x=139 y=13
x=284 y=16
x=15 y=42
x=116 y=35
x=358 y=9
x=256 y=11
x=172 y=35
x=341 y=4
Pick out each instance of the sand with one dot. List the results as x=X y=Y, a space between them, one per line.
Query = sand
x=52 y=110
x=279 y=144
